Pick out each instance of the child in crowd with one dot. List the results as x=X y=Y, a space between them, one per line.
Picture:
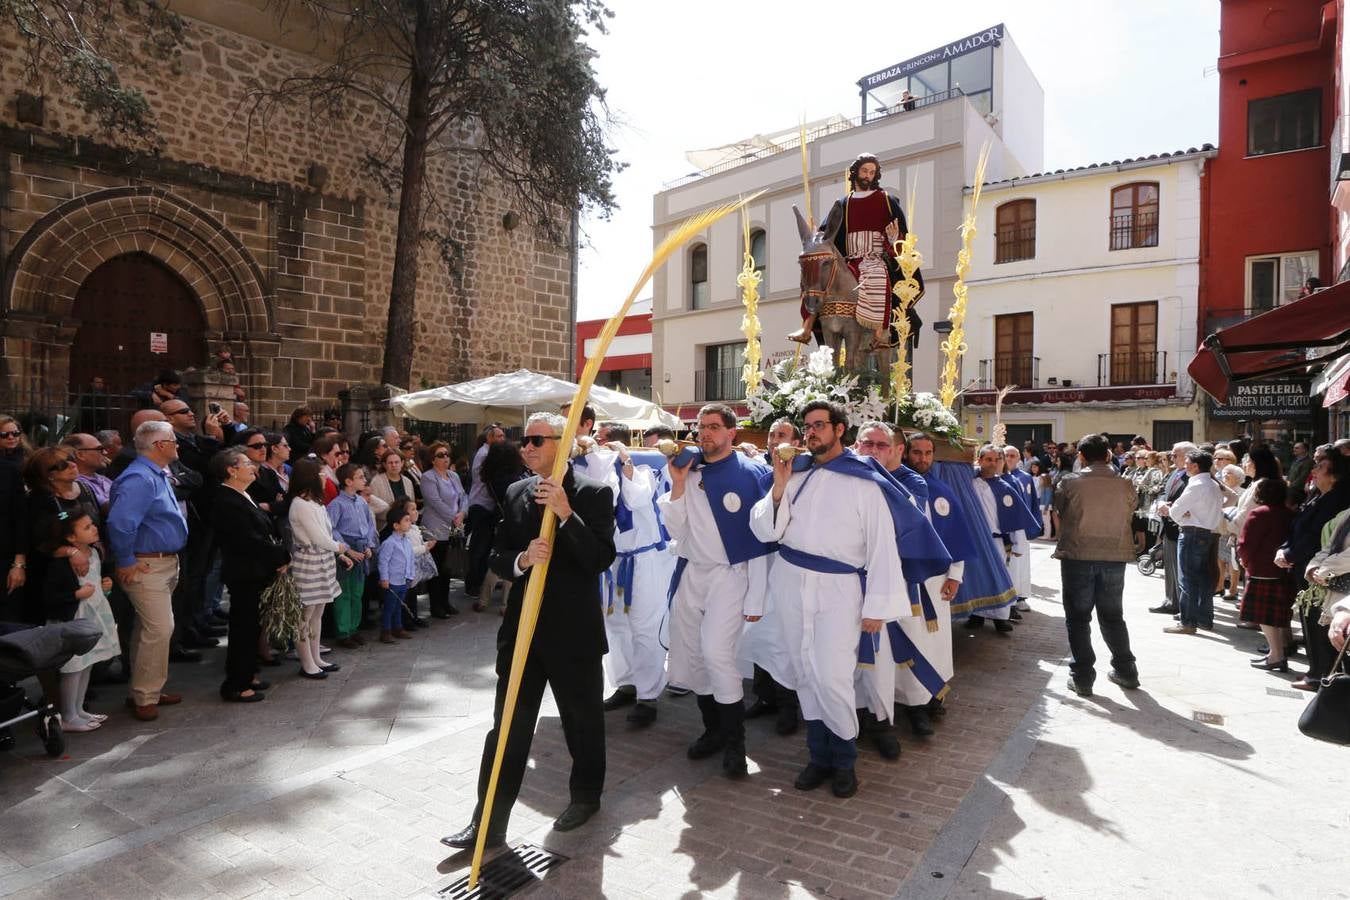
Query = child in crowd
x=315 y=555
x=354 y=525
x=69 y=596
x=425 y=565
x=398 y=572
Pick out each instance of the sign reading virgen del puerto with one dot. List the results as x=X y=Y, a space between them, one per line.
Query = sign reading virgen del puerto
x=1263 y=400
x=955 y=48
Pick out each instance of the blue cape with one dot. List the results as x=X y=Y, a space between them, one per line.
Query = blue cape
x=949 y=520
x=986 y=584
x=1026 y=483
x=748 y=481
x=1013 y=514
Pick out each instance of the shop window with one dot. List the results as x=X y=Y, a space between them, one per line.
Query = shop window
x=1134 y=216
x=1015 y=231
x=1277 y=279
x=1284 y=123
x=758 y=251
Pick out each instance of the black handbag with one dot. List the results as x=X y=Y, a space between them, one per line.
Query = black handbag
x=1339 y=583
x=1327 y=715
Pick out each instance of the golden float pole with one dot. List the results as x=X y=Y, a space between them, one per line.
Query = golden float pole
x=955 y=345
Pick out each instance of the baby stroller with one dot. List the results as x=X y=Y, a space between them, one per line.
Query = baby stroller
x=25 y=651
x=1149 y=562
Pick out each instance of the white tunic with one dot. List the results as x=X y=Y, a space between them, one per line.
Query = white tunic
x=936 y=646
x=636 y=656
x=712 y=600
x=845 y=519
x=1020 y=561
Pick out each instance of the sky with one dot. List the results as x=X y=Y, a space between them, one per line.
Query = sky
x=1121 y=79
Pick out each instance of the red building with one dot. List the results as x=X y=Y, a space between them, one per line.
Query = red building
x=1268 y=222
x=628 y=365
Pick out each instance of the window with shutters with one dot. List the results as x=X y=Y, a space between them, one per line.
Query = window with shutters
x=1012 y=350
x=1134 y=216
x=1134 y=343
x=1015 y=231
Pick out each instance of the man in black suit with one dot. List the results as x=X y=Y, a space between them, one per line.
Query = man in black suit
x=1176 y=483
x=569 y=640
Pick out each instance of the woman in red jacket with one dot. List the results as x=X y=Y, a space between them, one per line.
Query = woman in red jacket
x=1269 y=598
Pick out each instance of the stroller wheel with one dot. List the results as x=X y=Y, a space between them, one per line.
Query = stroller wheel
x=49 y=732
x=1146 y=564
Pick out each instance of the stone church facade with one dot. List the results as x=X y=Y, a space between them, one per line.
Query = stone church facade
x=272 y=243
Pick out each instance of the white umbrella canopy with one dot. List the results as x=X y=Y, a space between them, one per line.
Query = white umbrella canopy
x=510 y=397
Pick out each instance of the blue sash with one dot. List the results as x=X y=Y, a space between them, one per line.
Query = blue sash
x=902 y=648
x=1013 y=514
x=748 y=481
x=1027 y=487
x=623 y=582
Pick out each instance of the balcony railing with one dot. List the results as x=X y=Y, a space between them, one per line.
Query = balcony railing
x=718 y=384
x=1012 y=244
x=1023 y=371
x=1134 y=230
x=1140 y=367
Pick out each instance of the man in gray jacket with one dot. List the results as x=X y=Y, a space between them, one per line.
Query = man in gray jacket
x=1094 y=507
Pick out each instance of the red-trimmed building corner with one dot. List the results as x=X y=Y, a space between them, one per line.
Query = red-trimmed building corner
x=1267 y=225
x=628 y=365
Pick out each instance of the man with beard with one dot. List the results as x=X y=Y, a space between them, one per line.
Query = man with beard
x=1008 y=520
x=569 y=638
x=866 y=224
x=719 y=579
x=839 y=520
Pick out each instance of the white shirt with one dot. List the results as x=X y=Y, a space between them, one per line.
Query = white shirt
x=310 y=526
x=1200 y=505
x=690 y=521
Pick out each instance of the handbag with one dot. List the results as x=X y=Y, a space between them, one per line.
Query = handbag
x=1327 y=715
x=1339 y=583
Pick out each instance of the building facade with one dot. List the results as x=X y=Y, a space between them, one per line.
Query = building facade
x=1083 y=297
x=697 y=345
x=1269 y=223
x=628 y=364
x=277 y=245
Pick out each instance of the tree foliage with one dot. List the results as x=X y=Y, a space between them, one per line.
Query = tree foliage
x=86 y=43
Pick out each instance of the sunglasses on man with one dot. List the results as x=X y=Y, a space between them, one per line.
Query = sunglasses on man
x=537 y=440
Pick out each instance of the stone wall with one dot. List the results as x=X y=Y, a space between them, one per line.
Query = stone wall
x=234 y=212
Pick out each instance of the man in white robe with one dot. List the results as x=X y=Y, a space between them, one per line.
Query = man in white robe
x=830 y=527
x=1007 y=544
x=719 y=580
x=1019 y=567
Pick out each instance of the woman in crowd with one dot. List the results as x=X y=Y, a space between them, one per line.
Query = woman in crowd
x=1331 y=477
x=14 y=446
x=1330 y=566
x=370 y=454
x=1045 y=491
x=332 y=451
x=391 y=486
x=444 y=507
x=1268 y=600
x=502 y=467
x=53 y=489
x=14 y=539
x=1230 y=479
x=266 y=489
x=300 y=431
x=252 y=555
x=278 y=459
x=315 y=556
x=1151 y=479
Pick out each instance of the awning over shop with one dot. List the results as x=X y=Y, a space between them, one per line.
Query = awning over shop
x=1300 y=336
x=1334 y=383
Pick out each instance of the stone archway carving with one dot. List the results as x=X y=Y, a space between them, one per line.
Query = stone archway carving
x=62 y=248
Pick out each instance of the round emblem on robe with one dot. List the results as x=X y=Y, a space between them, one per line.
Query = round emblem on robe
x=1007 y=500
x=942 y=506
x=731 y=502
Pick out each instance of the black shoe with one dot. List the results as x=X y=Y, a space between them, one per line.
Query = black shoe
x=787 y=720
x=1265 y=664
x=437 y=614
x=260 y=685
x=733 y=760
x=936 y=708
x=331 y=667
x=1167 y=609
x=919 y=723
x=1082 y=690
x=316 y=676
x=760 y=708
x=575 y=816
x=181 y=655
x=1289 y=650
x=675 y=690
x=1128 y=682
x=1002 y=626
x=452 y=609
x=974 y=622
x=274 y=661
x=255 y=697
x=1014 y=615
x=708 y=743
x=844 y=783
x=642 y=714
x=619 y=699
x=812 y=777
x=888 y=745
x=468 y=839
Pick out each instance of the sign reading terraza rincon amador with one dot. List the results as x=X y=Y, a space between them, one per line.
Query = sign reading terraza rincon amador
x=1263 y=400
x=990 y=36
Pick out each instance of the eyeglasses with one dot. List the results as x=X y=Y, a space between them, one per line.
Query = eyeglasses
x=879 y=445
x=168 y=441
x=537 y=440
x=185 y=411
x=87 y=449
x=10 y=434
x=823 y=425
x=440 y=456
x=256 y=446
x=63 y=464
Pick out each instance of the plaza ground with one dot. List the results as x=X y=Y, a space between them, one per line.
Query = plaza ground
x=1197 y=785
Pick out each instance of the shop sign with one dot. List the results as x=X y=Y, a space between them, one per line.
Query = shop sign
x=1263 y=400
x=1075 y=395
x=969 y=44
x=159 y=342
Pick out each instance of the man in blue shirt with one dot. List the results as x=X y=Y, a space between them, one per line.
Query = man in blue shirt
x=146 y=530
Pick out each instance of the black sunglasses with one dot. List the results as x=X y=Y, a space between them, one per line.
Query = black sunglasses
x=256 y=446
x=10 y=434
x=537 y=440
x=64 y=464
x=441 y=456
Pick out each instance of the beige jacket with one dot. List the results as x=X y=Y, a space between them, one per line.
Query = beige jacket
x=1095 y=508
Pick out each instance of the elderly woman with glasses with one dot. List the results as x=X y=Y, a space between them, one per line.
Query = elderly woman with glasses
x=446 y=504
x=266 y=489
x=54 y=488
x=14 y=446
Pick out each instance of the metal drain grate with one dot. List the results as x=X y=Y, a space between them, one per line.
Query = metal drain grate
x=507 y=875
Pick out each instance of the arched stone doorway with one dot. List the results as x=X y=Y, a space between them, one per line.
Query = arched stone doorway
x=122 y=308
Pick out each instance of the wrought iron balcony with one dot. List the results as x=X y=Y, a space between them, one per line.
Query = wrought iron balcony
x=1002 y=371
x=1013 y=244
x=1134 y=230
x=1141 y=367
x=718 y=384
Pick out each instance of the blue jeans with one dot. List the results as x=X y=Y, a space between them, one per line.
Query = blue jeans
x=1087 y=585
x=391 y=611
x=1195 y=580
x=828 y=750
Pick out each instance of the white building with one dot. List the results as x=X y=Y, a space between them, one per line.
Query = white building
x=971 y=92
x=1083 y=294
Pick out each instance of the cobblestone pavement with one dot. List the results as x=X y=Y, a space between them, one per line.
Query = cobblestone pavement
x=341 y=788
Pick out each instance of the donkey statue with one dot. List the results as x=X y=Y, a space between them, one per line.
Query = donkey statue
x=830 y=302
